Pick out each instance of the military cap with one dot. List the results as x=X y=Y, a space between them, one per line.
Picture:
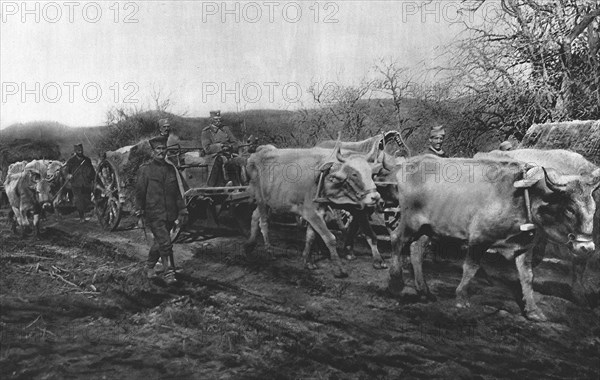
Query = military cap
x=158 y=141
x=78 y=146
x=506 y=145
x=163 y=123
x=215 y=113
x=437 y=131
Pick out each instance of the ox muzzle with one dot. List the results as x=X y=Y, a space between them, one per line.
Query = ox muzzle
x=581 y=245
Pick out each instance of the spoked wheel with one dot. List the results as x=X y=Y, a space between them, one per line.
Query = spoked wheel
x=342 y=217
x=106 y=196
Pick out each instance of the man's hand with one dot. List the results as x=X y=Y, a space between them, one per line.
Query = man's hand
x=69 y=176
x=139 y=213
x=182 y=219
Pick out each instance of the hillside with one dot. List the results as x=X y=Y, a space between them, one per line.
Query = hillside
x=279 y=127
x=52 y=132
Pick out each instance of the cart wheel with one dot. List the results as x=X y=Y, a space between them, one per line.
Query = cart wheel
x=342 y=218
x=106 y=196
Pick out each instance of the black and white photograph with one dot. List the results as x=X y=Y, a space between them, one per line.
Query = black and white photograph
x=347 y=189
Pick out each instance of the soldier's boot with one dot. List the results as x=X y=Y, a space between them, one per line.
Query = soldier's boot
x=169 y=276
x=151 y=273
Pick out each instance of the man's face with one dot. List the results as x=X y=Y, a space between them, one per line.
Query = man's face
x=217 y=121
x=436 y=141
x=79 y=152
x=159 y=152
x=165 y=130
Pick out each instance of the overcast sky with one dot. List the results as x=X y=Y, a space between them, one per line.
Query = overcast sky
x=71 y=61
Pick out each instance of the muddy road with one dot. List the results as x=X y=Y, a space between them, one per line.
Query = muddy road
x=76 y=304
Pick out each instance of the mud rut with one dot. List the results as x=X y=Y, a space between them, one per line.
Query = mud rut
x=76 y=304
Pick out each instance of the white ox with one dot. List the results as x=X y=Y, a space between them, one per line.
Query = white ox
x=28 y=192
x=287 y=180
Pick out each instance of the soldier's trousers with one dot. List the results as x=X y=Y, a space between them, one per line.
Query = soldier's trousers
x=81 y=198
x=162 y=247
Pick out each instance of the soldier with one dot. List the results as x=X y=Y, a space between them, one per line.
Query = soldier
x=436 y=139
x=164 y=129
x=80 y=173
x=159 y=201
x=218 y=140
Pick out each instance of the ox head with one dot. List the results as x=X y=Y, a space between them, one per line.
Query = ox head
x=564 y=207
x=41 y=188
x=350 y=181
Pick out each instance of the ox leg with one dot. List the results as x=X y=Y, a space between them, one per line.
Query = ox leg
x=251 y=243
x=578 y=269
x=470 y=267
x=264 y=229
x=523 y=263
x=315 y=219
x=14 y=219
x=366 y=228
x=349 y=239
x=36 y=225
x=23 y=222
x=306 y=254
x=417 y=253
x=400 y=245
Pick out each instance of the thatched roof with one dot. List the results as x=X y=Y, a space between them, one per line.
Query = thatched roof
x=582 y=137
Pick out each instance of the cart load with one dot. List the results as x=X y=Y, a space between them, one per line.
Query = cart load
x=582 y=137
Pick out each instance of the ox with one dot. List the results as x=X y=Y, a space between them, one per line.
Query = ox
x=287 y=180
x=28 y=193
x=390 y=145
x=489 y=204
x=563 y=161
x=567 y=163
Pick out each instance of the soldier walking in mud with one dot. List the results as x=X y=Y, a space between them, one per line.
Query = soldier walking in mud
x=159 y=201
x=80 y=173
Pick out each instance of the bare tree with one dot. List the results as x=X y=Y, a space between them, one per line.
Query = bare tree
x=528 y=61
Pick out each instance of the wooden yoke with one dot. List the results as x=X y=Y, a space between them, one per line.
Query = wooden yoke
x=323 y=171
x=525 y=184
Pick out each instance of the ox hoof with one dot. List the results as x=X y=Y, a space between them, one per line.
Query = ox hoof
x=350 y=257
x=380 y=265
x=395 y=286
x=310 y=266
x=340 y=274
x=427 y=296
x=536 y=316
x=463 y=304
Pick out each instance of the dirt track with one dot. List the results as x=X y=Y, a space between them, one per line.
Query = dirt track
x=75 y=304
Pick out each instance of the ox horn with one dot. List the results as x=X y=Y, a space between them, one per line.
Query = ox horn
x=374 y=152
x=552 y=184
x=338 y=149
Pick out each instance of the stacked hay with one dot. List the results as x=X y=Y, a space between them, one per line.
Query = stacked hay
x=127 y=160
x=582 y=137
